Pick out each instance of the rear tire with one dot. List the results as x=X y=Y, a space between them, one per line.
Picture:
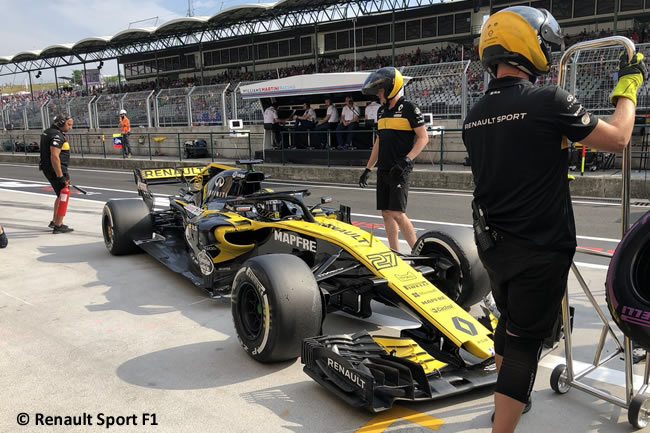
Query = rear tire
x=467 y=282
x=276 y=304
x=628 y=283
x=124 y=221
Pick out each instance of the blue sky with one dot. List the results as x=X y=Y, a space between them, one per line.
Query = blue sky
x=36 y=24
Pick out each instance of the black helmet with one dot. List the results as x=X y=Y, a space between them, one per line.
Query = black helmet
x=520 y=36
x=60 y=119
x=389 y=78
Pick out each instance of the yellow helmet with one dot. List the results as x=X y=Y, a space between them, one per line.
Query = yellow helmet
x=389 y=78
x=520 y=36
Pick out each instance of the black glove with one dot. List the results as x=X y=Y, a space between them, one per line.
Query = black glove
x=404 y=165
x=363 y=180
x=635 y=66
x=61 y=181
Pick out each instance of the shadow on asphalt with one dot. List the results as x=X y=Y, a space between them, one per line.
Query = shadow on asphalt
x=140 y=285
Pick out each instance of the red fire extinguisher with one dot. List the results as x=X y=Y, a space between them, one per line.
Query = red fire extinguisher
x=64 y=195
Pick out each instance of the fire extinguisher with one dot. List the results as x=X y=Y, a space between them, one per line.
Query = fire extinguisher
x=64 y=195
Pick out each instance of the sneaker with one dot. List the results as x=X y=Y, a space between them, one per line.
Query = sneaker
x=3 y=239
x=527 y=408
x=129 y=156
x=62 y=229
x=51 y=224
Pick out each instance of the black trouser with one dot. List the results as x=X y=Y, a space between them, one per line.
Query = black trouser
x=277 y=136
x=322 y=136
x=50 y=175
x=126 y=148
x=528 y=285
x=302 y=140
x=392 y=193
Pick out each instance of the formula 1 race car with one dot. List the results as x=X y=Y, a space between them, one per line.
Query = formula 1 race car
x=287 y=264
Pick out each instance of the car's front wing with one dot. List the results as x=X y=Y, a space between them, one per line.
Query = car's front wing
x=372 y=372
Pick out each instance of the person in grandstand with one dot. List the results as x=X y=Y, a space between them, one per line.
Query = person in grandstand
x=125 y=127
x=400 y=139
x=327 y=123
x=524 y=224
x=55 y=157
x=348 y=124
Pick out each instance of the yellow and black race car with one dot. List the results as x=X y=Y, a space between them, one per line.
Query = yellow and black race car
x=287 y=264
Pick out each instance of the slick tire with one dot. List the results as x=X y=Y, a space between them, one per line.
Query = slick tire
x=466 y=282
x=276 y=304
x=124 y=221
x=628 y=283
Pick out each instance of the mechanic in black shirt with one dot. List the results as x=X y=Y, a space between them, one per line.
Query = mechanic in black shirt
x=400 y=138
x=55 y=157
x=516 y=137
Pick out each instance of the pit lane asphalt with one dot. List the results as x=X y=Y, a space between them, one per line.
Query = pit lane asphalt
x=82 y=331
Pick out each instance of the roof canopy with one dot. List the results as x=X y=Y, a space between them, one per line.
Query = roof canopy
x=231 y=22
x=26 y=55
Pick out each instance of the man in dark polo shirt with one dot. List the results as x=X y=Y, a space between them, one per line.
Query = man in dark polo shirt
x=400 y=139
x=517 y=139
x=55 y=157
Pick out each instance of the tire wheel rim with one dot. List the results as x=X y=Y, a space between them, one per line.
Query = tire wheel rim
x=644 y=413
x=108 y=233
x=250 y=311
x=563 y=382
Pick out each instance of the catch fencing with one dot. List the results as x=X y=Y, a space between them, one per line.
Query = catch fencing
x=446 y=90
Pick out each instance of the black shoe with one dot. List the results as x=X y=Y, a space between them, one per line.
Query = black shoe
x=51 y=224
x=62 y=229
x=527 y=408
x=3 y=239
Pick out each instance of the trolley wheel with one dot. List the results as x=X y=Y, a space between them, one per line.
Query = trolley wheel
x=559 y=382
x=639 y=411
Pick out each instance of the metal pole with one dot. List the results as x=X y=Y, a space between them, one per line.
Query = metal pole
x=201 y=60
x=392 y=36
x=616 y=16
x=31 y=90
x=56 y=81
x=148 y=102
x=354 y=35
x=119 y=77
x=85 y=78
x=224 y=108
x=316 y=46
x=253 y=52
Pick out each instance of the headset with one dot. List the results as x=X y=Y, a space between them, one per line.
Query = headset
x=60 y=119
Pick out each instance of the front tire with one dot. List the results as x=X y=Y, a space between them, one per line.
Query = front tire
x=466 y=282
x=124 y=221
x=276 y=304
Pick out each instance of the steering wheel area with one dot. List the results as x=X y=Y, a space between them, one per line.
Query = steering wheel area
x=278 y=210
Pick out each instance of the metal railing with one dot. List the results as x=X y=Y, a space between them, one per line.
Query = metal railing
x=446 y=90
x=138 y=106
x=224 y=145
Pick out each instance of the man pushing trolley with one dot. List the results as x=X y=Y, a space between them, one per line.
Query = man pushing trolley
x=524 y=224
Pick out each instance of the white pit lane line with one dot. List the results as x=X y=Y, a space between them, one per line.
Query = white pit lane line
x=162 y=203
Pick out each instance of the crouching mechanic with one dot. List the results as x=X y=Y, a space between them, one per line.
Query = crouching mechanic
x=528 y=238
x=400 y=138
x=55 y=157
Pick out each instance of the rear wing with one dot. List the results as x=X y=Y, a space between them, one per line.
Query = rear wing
x=158 y=176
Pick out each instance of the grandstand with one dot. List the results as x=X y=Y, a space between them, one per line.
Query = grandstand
x=187 y=71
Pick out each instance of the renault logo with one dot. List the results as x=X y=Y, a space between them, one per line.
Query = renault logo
x=464 y=326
